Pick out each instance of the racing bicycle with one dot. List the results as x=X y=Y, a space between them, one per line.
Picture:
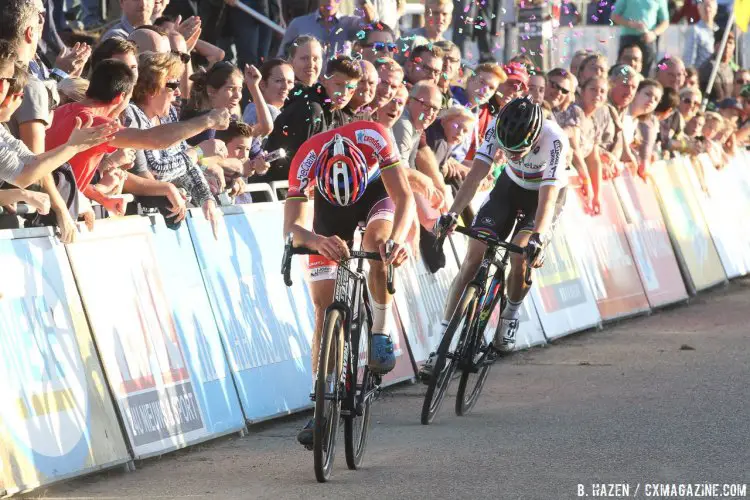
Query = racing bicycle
x=343 y=388
x=473 y=354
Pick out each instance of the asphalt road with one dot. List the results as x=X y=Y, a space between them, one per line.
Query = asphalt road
x=657 y=399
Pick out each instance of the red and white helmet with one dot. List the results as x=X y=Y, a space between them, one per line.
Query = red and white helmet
x=341 y=172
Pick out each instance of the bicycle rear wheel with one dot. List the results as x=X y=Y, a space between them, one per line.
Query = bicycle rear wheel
x=357 y=425
x=327 y=396
x=446 y=361
x=475 y=375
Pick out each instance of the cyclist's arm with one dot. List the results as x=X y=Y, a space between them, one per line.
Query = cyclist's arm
x=295 y=216
x=545 y=211
x=479 y=170
x=397 y=186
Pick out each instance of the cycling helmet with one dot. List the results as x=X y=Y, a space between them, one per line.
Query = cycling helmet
x=341 y=172
x=519 y=124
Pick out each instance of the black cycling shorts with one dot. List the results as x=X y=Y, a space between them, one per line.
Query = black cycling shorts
x=333 y=220
x=506 y=202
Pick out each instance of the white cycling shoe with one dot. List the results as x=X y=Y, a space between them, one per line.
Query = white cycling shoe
x=505 y=335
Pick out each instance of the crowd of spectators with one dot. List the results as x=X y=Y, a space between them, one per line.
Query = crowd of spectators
x=154 y=108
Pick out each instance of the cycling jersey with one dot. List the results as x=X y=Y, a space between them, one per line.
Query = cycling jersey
x=542 y=166
x=371 y=138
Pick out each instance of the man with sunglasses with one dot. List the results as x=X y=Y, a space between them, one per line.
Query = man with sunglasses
x=379 y=42
x=532 y=183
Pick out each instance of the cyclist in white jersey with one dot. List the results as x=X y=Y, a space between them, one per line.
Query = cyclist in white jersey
x=532 y=184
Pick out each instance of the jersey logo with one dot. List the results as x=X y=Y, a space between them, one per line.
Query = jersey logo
x=536 y=150
x=490 y=134
x=554 y=156
x=372 y=139
x=306 y=165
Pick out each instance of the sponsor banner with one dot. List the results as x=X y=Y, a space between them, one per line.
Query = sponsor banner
x=56 y=420
x=561 y=295
x=420 y=299
x=191 y=312
x=145 y=360
x=718 y=196
x=601 y=248
x=649 y=241
x=687 y=227
x=266 y=327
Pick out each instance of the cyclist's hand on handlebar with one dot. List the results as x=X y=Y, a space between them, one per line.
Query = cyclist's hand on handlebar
x=445 y=224
x=535 y=251
x=331 y=247
x=398 y=254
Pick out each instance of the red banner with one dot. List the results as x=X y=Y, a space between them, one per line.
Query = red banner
x=600 y=245
x=649 y=241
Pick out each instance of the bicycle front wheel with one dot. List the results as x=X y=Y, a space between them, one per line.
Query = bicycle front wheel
x=446 y=362
x=476 y=372
x=357 y=424
x=327 y=396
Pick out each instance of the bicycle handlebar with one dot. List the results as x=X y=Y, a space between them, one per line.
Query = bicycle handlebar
x=290 y=250
x=490 y=240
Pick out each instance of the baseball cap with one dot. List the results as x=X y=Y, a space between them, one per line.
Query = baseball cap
x=730 y=103
x=517 y=72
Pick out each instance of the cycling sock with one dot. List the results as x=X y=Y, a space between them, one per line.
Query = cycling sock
x=381 y=314
x=512 y=310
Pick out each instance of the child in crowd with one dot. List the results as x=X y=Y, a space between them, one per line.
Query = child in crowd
x=238 y=139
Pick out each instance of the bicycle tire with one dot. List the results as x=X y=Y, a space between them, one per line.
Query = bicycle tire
x=465 y=400
x=442 y=373
x=356 y=428
x=327 y=411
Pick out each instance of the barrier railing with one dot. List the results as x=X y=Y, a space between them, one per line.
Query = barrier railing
x=138 y=339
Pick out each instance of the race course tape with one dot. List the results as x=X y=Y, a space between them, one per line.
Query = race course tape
x=139 y=339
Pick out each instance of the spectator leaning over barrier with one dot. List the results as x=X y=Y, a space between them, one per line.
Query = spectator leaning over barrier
x=18 y=165
x=452 y=128
x=699 y=38
x=632 y=55
x=10 y=100
x=691 y=78
x=672 y=131
x=723 y=85
x=221 y=87
x=327 y=25
x=425 y=63
x=306 y=58
x=422 y=108
x=646 y=130
x=379 y=41
x=238 y=139
x=311 y=112
x=670 y=72
x=642 y=22
x=560 y=94
x=149 y=40
x=713 y=126
x=451 y=67
x=516 y=84
x=359 y=106
x=390 y=79
x=108 y=95
x=135 y=13
x=596 y=118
